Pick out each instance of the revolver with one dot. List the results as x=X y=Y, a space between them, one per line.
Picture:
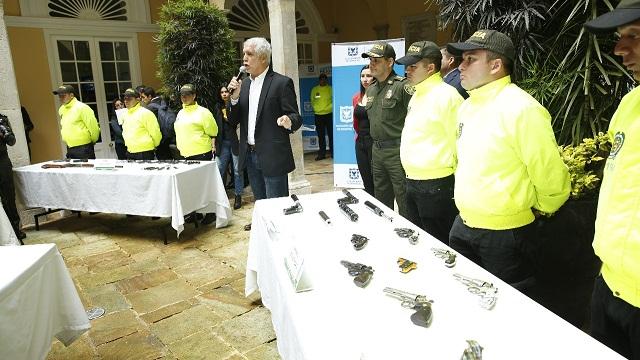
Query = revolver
x=420 y=303
x=348 y=199
x=296 y=208
x=485 y=290
x=362 y=273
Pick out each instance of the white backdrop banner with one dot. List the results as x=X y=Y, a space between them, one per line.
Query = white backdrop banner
x=346 y=63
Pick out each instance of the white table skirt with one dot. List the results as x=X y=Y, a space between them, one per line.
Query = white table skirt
x=129 y=190
x=37 y=302
x=7 y=235
x=337 y=320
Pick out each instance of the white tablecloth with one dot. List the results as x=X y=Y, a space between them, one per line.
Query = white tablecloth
x=129 y=190
x=37 y=302
x=7 y=235
x=337 y=320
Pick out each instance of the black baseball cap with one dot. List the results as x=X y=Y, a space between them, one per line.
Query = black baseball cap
x=131 y=93
x=64 y=89
x=420 y=50
x=626 y=12
x=491 y=40
x=187 y=89
x=381 y=49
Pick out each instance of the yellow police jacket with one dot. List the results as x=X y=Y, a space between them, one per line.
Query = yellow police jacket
x=427 y=148
x=617 y=237
x=321 y=100
x=194 y=126
x=508 y=159
x=78 y=123
x=140 y=130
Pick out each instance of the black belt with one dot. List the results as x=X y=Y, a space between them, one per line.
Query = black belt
x=381 y=144
x=251 y=148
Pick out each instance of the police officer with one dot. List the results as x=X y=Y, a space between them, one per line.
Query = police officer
x=508 y=163
x=428 y=147
x=615 y=303
x=196 y=130
x=387 y=101
x=7 y=189
x=79 y=127
x=140 y=128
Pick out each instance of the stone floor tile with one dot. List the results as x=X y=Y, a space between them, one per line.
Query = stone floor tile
x=227 y=302
x=85 y=250
x=248 y=330
x=222 y=281
x=201 y=345
x=145 y=281
x=184 y=257
x=268 y=351
x=114 y=326
x=141 y=345
x=90 y=280
x=166 y=311
x=147 y=265
x=109 y=260
x=106 y=297
x=82 y=348
x=62 y=240
x=205 y=272
x=184 y=324
x=168 y=293
x=234 y=255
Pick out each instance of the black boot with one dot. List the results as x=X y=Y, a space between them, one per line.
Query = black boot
x=209 y=218
x=237 y=204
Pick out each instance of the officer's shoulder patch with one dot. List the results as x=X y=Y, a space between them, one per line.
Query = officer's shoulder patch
x=409 y=89
x=399 y=78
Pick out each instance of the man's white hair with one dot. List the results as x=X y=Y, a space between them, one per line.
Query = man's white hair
x=261 y=47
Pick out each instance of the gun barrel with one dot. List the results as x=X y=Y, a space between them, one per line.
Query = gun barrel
x=399 y=293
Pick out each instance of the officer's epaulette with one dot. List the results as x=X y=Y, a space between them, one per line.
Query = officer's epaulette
x=399 y=78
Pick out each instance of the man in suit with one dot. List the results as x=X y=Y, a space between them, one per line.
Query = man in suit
x=450 y=72
x=265 y=105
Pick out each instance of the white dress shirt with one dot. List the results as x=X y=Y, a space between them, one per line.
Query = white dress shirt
x=254 y=98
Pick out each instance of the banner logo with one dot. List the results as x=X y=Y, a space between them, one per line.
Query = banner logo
x=346 y=114
x=354 y=174
x=352 y=51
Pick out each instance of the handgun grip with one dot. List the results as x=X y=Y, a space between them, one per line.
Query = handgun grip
x=294 y=197
x=363 y=279
x=423 y=316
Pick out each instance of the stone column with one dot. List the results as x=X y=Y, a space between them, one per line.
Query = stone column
x=9 y=101
x=282 y=22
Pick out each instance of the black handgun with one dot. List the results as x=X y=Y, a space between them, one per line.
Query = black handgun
x=362 y=273
x=296 y=208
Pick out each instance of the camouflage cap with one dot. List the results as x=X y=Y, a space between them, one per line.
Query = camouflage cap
x=491 y=40
x=420 y=50
x=187 y=89
x=626 y=12
x=380 y=49
x=131 y=93
x=64 y=89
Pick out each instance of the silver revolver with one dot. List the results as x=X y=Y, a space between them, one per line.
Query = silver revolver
x=485 y=290
x=420 y=303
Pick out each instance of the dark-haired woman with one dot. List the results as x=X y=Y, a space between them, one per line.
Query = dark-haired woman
x=364 y=142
